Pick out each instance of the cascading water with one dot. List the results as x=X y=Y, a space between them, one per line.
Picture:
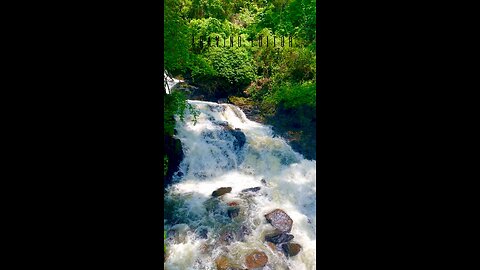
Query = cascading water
x=204 y=228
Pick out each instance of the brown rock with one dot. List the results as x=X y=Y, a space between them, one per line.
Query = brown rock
x=271 y=246
x=232 y=204
x=256 y=259
x=221 y=191
x=291 y=249
x=221 y=263
x=280 y=220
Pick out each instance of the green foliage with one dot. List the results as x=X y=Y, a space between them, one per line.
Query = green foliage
x=294 y=95
x=273 y=77
x=234 y=64
x=175 y=104
x=165 y=165
x=176 y=38
x=297 y=65
x=164 y=237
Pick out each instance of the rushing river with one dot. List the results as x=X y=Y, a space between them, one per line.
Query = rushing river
x=201 y=229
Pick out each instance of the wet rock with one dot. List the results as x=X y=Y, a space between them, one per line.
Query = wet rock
x=226 y=238
x=243 y=232
x=221 y=191
x=278 y=237
x=254 y=189
x=240 y=138
x=271 y=246
x=212 y=204
x=222 y=263
x=206 y=248
x=280 y=220
x=222 y=100
x=174 y=152
x=291 y=249
x=256 y=259
x=178 y=233
x=202 y=233
x=233 y=212
x=264 y=182
x=221 y=123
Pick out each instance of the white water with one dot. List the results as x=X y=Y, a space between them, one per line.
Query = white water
x=211 y=161
x=170 y=82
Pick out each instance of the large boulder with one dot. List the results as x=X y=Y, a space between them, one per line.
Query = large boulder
x=280 y=220
x=256 y=259
x=221 y=191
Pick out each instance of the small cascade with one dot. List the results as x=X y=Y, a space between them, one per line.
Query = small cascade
x=233 y=174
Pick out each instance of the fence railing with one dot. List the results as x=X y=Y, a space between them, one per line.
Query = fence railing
x=217 y=41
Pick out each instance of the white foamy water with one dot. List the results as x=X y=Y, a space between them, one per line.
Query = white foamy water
x=212 y=160
x=169 y=82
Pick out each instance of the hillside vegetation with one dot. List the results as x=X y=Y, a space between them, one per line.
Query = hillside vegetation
x=280 y=81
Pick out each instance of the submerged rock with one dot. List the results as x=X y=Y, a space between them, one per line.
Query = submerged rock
x=291 y=249
x=221 y=191
x=222 y=263
x=243 y=232
x=256 y=259
x=202 y=233
x=212 y=204
x=206 y=248
x=226 y=238
x=178 y=233
x=264 y=182
x=280 y=220
x=240 y=138
x=278 y=237
x=221 y=123
x=254 y=189
x=233 y=212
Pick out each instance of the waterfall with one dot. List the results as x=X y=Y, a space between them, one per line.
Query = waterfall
x=169 y=82
x=225 y=149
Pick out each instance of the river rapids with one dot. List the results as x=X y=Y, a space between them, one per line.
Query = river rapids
x=201 y=228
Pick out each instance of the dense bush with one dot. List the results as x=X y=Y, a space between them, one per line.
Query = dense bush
x=272 y=77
